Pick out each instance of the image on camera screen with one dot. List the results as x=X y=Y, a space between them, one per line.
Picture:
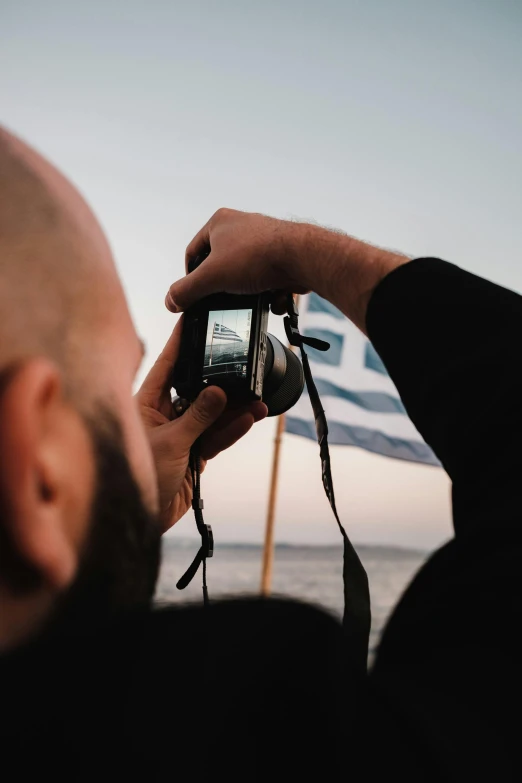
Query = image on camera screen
x=226 y=346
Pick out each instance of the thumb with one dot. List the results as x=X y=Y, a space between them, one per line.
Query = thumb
x=204 y=411
x=202 y=282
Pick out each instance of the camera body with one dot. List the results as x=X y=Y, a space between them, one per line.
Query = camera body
x=225 y=343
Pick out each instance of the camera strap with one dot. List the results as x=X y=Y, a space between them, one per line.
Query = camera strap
x=205 y=531
x=357 y=612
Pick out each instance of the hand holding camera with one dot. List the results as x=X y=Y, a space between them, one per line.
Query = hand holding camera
x=249 y=254
x=172 y=437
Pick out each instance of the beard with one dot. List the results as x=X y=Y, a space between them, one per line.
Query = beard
x=120 y=563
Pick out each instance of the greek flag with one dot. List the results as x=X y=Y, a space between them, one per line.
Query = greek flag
x=362 y=405
x=224 y=333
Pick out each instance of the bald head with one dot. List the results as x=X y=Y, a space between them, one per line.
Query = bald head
x=57 y=278
x=69 y=354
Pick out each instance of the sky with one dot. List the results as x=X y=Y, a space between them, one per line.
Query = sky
x=397 y=121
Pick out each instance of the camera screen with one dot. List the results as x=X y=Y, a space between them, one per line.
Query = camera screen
x=226 y=346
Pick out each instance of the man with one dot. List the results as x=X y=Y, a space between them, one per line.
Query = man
x=94 y=683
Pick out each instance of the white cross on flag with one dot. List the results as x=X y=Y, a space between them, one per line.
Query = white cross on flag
x=362 y=405
x=224 y=333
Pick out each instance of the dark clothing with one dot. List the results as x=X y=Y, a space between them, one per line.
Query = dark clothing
x=261 y=690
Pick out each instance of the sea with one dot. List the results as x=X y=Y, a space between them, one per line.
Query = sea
x=307 y=573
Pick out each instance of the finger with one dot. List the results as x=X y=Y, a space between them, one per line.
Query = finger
x=217 y=441
x=158 y=377
x=279 y=302
x=229 y=428
x=204 y=411
x=209 y=278
x=198 y=245
x=257 y=409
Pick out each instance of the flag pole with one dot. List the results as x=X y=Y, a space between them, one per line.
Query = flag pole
x=268 y=551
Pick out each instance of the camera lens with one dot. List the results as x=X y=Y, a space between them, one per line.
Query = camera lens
x=283 y=378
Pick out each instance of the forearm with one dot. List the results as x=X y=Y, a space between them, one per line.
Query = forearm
x=342 y=269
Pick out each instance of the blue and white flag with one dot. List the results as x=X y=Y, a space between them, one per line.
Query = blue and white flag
x=224 y=333
x=362 y=405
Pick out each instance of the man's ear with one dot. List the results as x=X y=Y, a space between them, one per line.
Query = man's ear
x=46 y=472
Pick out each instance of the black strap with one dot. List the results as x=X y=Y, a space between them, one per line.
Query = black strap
x=205 y=531
x=357 y=612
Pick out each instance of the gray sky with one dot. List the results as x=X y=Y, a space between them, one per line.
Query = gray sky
x=397 y=121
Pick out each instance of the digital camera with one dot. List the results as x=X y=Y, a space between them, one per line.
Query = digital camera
x=225 y=343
